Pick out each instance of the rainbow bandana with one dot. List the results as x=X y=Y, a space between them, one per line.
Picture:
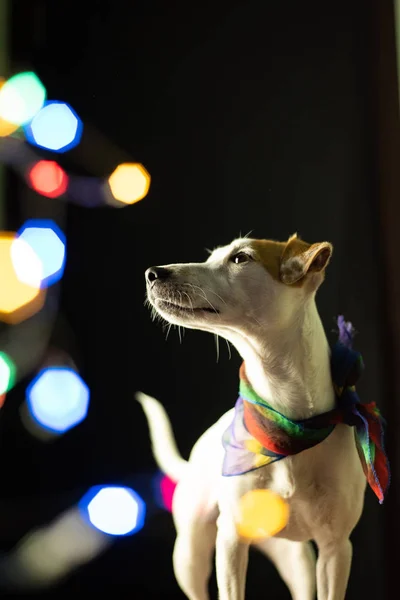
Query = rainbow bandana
x=260 y=435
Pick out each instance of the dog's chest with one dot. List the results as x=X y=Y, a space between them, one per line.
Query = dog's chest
x=279 y=477
x=324 y=487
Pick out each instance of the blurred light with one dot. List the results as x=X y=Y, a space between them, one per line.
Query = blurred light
x=48 y=242
x=48 y=178
x=18 y=300
x=27 y=265
x=55 y=127
x=58 y=399
x=114 y=510
x=21 y=97
x=50 y=553
x=262 y=514
x=6 y=128
x=167 y=490
x=129 y=183
x=2 y=400
x=7 y=374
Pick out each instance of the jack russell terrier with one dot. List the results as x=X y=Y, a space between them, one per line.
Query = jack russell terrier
x=297 y=402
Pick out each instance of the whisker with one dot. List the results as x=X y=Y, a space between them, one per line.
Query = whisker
x=203 y=295
x=216 y=338
x=190 y=300
x=215 y=293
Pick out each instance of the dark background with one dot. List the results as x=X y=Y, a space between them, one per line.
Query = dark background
x=256 y=115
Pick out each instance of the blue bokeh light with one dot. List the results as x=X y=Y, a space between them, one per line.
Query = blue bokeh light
x=58 y=399
x=55 y=127
x=49 y=243
x=115 y=510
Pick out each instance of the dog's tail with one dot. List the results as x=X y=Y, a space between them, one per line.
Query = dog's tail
x=162 y=438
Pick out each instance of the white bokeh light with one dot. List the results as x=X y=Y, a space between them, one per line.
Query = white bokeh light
x=27 y=265
x=116 y=511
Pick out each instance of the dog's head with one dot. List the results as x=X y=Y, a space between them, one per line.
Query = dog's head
x=246 y=285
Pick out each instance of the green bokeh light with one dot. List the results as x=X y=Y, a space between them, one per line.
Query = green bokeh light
x=7 y=373
x=21 y=97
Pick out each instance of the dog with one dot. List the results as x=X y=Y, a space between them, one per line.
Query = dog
x=260 y=296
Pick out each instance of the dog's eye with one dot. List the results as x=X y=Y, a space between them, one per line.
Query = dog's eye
x=240 y=257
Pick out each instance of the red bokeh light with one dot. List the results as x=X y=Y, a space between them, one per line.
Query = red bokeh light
x=48 y=178
x=167 y=489
x=2 y=399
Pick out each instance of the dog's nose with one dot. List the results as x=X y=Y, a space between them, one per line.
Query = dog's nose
x=156 y=273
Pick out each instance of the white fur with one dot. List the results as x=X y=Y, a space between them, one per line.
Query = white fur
x=278 y=332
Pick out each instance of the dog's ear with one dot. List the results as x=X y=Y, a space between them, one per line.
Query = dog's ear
x=299 y=259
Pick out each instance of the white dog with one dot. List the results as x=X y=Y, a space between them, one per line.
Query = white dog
x=260 y=295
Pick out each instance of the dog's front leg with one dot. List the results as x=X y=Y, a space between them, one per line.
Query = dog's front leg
x=231 y=560
x=333 y=569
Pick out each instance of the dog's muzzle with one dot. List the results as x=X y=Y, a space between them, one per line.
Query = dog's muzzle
x=168 y=295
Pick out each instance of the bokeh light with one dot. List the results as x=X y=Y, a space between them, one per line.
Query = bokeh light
x=129 y=183
x=261 y=514
x=2 y=399
x=21 y=97
x=7 y=373
x=165 y=491
x=57 y=399
x=48 y=242
x=19 y=300
x=47 y=178
x=115 y=510
x=51 y=552
x=6 y=128
x=27 y=265
x=55 y=127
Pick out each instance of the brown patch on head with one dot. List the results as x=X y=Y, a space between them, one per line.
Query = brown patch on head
x=269 y=254
x=289 y=262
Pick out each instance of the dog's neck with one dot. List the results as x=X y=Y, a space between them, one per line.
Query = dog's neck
x=290 y=368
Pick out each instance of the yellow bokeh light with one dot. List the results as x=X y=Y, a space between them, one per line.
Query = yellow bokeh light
x=261 y=514
x=18 y=301
x=129 y=183
x=6 y=128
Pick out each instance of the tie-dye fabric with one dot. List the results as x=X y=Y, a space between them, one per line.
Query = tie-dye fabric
x=260 y=435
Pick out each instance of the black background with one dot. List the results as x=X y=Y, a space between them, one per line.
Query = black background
x=251 y=115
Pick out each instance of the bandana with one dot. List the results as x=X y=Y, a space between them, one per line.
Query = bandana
x=260 y=435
